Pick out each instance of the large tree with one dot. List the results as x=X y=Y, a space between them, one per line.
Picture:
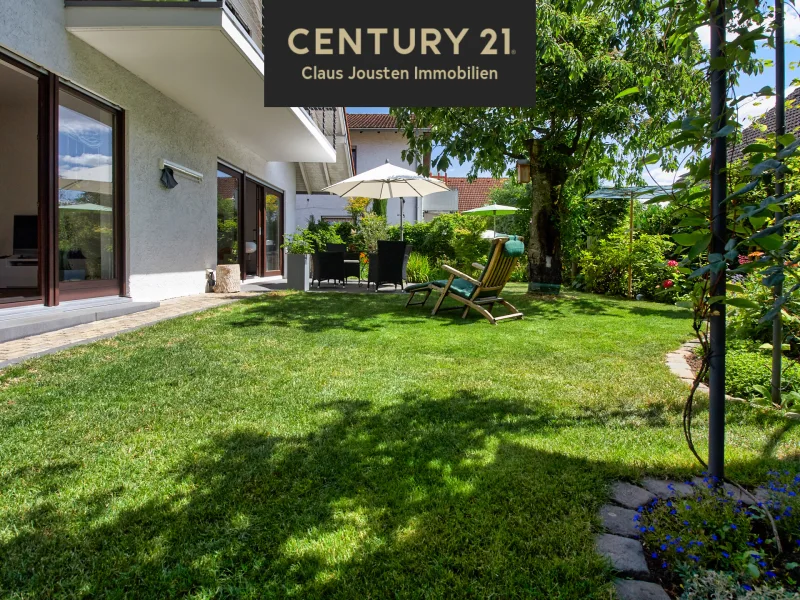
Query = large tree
x=607 y=84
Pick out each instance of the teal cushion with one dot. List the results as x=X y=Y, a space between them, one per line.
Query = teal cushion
x=415 y=287
x=513 y=247
x=462 y=287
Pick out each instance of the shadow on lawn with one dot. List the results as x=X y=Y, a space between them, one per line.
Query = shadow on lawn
x=426 y=497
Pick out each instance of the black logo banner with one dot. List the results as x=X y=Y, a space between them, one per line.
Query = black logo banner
x=413 y=53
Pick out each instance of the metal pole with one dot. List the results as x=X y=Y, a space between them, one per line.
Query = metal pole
x=630 y=252
x=402 y=207
x=780 y=129
x=716 y=408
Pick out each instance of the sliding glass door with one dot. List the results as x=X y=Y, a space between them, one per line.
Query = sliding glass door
x=273 y=230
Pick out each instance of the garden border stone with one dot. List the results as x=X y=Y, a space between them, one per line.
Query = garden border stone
x=677 y=363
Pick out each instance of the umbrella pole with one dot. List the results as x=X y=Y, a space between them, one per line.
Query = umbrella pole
x=402 y=203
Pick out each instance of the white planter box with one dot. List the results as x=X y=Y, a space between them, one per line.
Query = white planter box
x=297 y=272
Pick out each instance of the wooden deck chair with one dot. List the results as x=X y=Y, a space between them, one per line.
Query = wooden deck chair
x=479 y=294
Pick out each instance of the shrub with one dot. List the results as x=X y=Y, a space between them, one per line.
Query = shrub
x=520 y=272
x=743 y=322
x=605 y=267
x=419 y=268
x=371 y=229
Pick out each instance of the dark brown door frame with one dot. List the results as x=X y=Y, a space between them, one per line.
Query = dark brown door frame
x=234 y=172
x=281 y=218
x=43 y=145
x=48 y=256
x=261 y=210
x=106 y=287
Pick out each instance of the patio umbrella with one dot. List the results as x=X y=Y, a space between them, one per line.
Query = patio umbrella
x=387 y=181
x=493 y=209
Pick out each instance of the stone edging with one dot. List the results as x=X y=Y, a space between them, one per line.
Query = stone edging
x=620 y=544
x=677 y=363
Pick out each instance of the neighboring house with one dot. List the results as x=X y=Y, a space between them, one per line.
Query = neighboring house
x=374 y=139
x=766 y=124
x=468 y=194
x=94 y=96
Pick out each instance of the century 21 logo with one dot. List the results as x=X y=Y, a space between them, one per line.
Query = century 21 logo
x=327 y=41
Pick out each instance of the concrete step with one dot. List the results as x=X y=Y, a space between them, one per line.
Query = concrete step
x=42 y=319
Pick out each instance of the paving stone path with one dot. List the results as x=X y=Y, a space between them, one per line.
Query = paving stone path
x=620 y=544
x=16 y=351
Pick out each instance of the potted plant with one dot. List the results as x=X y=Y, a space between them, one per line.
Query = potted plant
x=298 y=248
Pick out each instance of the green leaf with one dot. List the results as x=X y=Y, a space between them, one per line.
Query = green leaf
x=744 y=189
x=732 y=287
x=650 y=159
x=627 y=92
x=725 y=131
x=742 y=303
x=766 y=165
x=791 y=565
x=684 y=304
x=757 y=148
x=770 y=242
x=785 y=139
x=753 y=571
x=789 y=150
x=687 y=239
x=699 y=246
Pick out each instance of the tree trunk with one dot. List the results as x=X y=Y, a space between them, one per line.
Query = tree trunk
x=544 y=239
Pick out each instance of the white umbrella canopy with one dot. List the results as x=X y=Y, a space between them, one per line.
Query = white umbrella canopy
x=493 y=209
x=387 y=181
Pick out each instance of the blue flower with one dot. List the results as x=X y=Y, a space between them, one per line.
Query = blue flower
x=759 y=541
x=686 y=523
x=673 y=512
x=663 y=565
x=761 y=563
x=669 y=537
x=770 y=574
x=694 y=558
x=688 y=507
x=651 y=528
x=636 y=517
x=679 y=549
x=733 y=526
x=726 y=555
x=654 y=555
x=715 y=538
x=746 y=588
x=663 y=546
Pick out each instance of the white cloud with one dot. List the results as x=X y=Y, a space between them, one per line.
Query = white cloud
x=751 y=109
x=655 y=175
x=86 y=160
x=101 y=173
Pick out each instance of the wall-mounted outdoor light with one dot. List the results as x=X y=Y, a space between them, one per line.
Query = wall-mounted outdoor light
x=523 y=171
x=169 y=169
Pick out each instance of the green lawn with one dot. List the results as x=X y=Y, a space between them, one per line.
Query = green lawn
x=338 y=446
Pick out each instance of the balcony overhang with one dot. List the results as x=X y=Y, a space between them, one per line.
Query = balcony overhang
x=199 y=55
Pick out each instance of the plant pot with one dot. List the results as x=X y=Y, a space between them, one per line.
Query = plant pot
x=297 y=272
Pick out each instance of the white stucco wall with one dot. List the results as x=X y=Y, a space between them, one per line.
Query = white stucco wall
x=373 y=148
x=171 y=233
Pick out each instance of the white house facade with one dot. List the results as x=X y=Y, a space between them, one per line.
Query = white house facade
x=374 y=139
x=104 y=106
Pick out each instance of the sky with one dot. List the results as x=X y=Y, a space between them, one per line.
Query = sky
x=747 y=111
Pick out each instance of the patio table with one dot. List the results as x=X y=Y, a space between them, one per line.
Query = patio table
x=355 y=261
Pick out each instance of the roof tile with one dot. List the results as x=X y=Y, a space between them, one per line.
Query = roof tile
x=472 y=194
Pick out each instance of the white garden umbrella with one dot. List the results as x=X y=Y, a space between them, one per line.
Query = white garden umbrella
x=493 y=209
x=387 y=181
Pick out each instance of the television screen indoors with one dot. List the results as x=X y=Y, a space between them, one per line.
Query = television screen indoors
x=26 y=235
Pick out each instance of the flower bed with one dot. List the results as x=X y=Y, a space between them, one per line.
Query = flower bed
x=712 y=531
